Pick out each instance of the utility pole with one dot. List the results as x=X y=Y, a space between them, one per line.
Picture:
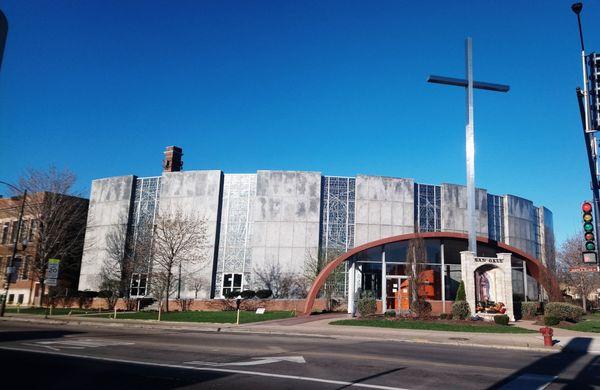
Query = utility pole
x=588 y=100
x=469 y=85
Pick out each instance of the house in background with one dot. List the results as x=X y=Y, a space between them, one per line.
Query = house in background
x=53 y=224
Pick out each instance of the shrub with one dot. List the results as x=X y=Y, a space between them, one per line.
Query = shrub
x=264 y=294
x=367 y=304
x=551 y=321
x=421 y=308
x=231 y=294
x=563 y=311
x=529 y=309
x=390 y=313
x=446 y=316
x=461 y=310
x=501 y=319
x=460 y=294
x=247 y=294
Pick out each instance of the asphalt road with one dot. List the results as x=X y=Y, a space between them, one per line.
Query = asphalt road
x=36 y=356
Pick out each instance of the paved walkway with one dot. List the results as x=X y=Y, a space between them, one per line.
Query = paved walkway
x=318 y=326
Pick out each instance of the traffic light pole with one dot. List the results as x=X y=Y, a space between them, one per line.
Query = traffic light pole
x=590 y=147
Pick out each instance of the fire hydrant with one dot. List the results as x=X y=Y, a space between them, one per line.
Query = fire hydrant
x=547 y=332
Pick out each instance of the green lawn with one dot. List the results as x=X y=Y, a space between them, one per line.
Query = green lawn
x=589 y=323
x=42 y=311
x=435 y=325
x=221 y=317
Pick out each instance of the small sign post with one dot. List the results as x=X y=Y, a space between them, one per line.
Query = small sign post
x=52 y=272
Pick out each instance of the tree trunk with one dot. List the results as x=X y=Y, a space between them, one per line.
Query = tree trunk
x=167 y=292
x=42 y=288
x=583 y=302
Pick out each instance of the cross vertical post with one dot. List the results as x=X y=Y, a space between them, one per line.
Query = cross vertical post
x=469 y=84
x=470 y=146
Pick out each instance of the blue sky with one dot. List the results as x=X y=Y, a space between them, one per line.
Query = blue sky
x=101 y=87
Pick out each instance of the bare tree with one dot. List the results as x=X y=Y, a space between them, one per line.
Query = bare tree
x=126 y=254
x=197 y=283
x=59 y=216
x=116 y=267
x=335 y=281
x=283 y=284
x=581 y=283
x=416 y=256
x=179 y=243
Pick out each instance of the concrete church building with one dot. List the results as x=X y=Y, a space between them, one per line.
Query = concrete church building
x=287 y=217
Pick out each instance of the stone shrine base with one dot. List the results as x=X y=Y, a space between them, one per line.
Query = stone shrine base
x=488 y=316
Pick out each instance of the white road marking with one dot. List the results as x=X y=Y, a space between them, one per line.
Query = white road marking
x=529 y=381
x=257 y=361
x=227 y=370
x=56 y=345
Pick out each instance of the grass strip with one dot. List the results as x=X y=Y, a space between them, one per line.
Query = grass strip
x=219 y=317
x=435 y=325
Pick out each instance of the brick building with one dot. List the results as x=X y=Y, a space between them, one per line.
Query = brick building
x=53 y=227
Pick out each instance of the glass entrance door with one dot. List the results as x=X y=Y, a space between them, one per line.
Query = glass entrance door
x=398 y=293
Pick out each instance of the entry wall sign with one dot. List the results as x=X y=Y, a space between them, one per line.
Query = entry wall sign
x=494 y=276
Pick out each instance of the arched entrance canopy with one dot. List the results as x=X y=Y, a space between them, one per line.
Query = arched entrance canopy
x=537 y=269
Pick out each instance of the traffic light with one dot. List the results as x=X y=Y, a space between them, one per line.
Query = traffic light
x=588 y=227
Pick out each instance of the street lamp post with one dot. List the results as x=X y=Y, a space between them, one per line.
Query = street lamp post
x=588 y=130
x=9 y=267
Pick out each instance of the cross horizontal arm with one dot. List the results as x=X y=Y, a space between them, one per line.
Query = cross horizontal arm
x=463 y=83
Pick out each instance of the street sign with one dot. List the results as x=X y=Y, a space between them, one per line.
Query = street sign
x=51 y=282
x=52 y=269
x=584 y=268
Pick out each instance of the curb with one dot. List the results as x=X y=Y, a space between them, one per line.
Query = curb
x=220 y=328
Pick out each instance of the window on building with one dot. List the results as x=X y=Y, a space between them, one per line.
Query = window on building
x=13 y=231
x=23 y=232
x=428 y=201
x=139 y=284
x=231 y=282
x=25 y=271
x=20 y=298
x=16 y=270
x=495 y=217
x=32 y=230
x=5 y=228
x=11 y=298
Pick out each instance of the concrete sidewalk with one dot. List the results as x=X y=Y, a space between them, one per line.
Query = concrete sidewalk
x=318 y=326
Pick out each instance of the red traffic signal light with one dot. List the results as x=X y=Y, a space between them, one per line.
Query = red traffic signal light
x=588 y=226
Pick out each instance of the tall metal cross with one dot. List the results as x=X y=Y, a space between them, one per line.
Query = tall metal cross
x=469 y=84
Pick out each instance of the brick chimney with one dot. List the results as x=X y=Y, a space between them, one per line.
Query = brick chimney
x=172 y=161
